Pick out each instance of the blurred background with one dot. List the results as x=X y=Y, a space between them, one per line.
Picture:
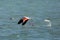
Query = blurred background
x=11 y=11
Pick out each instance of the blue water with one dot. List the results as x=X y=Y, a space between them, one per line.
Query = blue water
x=38 y=10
